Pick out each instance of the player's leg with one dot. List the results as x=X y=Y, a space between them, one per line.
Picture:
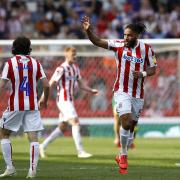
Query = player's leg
x=137 y=105
x=135 y=133
x=11 y=121
x=76 y=133
x=32 y=124
x=126 y=123
x=116 y=124
x=116 y=129
x=57 y=132
x=123 y=106
x=34 y=153
x=77 y=138
x=132 y=135
x=6 y=148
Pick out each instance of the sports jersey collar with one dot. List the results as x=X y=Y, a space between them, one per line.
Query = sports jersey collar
x=22 y=58
x=138 y=42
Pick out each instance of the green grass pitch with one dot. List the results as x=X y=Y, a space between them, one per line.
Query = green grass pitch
x=153 y=159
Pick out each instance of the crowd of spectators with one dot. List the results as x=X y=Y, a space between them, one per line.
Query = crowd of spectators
x=61 y=19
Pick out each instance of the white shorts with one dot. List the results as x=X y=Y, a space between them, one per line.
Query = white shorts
x=126 y=104
x=67 y=110
x=30 y=120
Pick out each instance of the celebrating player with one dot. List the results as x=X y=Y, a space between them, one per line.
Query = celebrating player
x=135 y=61
x=64 y=78
x=23 y=72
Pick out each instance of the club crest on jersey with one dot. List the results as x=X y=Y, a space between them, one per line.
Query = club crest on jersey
x=132 y=59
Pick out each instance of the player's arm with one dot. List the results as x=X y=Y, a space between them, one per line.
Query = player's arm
x=92 y=37
x=151 y=66
x=150 y=71
x=3 y=83
x=52 y=83
x=44 y=98
x=82 y=85
x=5 y=77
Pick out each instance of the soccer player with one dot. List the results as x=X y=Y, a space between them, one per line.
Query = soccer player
x=22 y=72
x=135 y=61
x=64 y=78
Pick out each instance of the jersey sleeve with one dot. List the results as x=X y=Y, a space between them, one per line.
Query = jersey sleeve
x=115 y=44
x=151 y=58
x=5 y=72
x=42 y=74
x=57 y=74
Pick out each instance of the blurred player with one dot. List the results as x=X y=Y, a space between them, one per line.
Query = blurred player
x=64 y=78
x=135 y=60
x=23 y=72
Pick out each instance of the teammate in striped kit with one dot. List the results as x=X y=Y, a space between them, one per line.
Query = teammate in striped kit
x=135 y=60
x=22 y=72
x=64 y=78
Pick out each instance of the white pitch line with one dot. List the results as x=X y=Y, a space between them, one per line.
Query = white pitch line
x=75 y=168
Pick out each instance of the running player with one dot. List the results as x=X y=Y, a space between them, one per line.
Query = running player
x=135 y=61
x=64 y=78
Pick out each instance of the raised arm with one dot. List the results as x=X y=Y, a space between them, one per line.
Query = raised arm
x=92 y=37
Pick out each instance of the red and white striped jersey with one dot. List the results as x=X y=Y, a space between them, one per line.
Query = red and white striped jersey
x=66 y=76
x=129 y=60
x=23 y=73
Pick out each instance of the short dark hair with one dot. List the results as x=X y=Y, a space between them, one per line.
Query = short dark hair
x=21 y=45
x=138 y=28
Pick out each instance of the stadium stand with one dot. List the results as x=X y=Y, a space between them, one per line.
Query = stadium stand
x=61 y=19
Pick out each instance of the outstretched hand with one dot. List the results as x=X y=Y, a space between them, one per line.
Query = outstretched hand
x=94 y=91
x=85 y=23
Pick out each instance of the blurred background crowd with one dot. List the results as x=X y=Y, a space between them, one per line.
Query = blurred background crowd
x=60 y=19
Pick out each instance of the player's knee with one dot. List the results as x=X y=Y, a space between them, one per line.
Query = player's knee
x=127 y=121
x=63 y=126
x=32 y=136
x=127 y=124
x=74 y=122
x=4 y=133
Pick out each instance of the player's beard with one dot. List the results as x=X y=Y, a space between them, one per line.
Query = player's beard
x=131 y=44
